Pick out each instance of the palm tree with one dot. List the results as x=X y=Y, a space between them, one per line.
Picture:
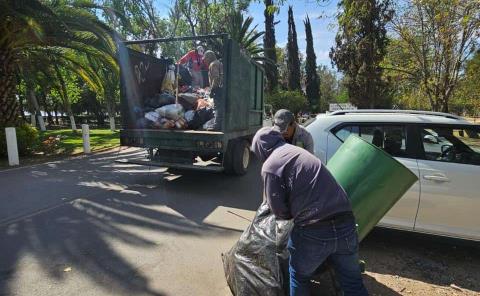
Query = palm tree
x=46 y=33
x=240 y=31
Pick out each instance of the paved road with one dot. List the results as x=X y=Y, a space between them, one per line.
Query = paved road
x=90 y=226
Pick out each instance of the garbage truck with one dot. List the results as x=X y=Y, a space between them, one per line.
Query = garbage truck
x=241 y=103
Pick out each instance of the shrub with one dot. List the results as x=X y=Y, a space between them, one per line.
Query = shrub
x=294 y=101
x=27 y=140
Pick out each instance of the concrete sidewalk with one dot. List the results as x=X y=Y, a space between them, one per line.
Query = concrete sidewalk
x=90 y=226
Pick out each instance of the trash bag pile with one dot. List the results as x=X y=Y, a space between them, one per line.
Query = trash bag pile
x=258 y=263
x=193 y=108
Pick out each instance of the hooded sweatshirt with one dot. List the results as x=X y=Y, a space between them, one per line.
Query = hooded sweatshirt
x=296 y=183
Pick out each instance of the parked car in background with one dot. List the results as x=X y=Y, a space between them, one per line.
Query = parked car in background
x=443 y=150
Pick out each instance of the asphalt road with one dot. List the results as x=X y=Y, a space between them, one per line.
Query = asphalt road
x=90 y=226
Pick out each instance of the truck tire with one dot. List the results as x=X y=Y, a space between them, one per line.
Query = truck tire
x=237 y=159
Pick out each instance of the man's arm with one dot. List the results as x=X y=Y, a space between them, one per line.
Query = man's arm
x=276 y=194
x=186 y=57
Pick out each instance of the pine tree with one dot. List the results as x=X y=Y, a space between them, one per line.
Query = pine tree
x=361 y=44
x=293 y=61
x=312 y=82
x=269 y=47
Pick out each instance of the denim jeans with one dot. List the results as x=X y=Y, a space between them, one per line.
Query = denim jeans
x=310 y=246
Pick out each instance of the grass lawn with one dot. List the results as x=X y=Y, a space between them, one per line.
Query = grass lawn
x=69 y=143
x=72 y=143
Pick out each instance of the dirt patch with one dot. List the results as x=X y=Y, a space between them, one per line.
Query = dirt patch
x=401 y=263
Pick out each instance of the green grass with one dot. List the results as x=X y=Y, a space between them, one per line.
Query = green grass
x=72 y=143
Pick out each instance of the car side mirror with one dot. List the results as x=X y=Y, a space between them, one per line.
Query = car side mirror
x=430 y=139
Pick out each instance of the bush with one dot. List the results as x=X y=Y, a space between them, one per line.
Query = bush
x=294 y=101
x=27 y=140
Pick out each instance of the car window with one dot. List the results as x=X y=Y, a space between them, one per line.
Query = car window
x=391 y=138
x=343 y=133
x=452 y=144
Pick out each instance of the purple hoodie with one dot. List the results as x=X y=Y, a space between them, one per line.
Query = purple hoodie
x=296 y=184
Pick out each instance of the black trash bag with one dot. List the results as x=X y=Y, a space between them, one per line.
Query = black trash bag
x=188 y=100
x=185 y=76
x=200 y=117
x=159 y=100
x=258 y=263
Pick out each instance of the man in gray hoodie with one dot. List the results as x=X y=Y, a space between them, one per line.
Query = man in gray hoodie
x=298 y=186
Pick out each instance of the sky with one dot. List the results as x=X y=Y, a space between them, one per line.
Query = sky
x=322 y=18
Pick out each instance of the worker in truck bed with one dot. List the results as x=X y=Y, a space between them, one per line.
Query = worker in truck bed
x=215 y=79
x=194 y=61
x=298 y=186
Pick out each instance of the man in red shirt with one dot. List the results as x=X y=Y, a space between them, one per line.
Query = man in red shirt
x=194 y=61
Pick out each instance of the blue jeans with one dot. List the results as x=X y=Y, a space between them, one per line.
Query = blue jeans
x=310 y=246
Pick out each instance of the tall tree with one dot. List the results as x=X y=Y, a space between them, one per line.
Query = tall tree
x=360 y=47
x=293 y=61
x=54 y=29
x=312 y=83
x=435 y=38
x=269 y=46
x=467 y=96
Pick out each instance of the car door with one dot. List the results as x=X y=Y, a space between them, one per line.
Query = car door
x=450 y=181
x=393 y=138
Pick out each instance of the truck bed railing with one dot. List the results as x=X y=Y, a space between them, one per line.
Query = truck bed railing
x=184 y=38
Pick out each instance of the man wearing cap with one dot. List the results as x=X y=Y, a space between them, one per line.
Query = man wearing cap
x=298 y=186
x=215 y=76
x=292 y=132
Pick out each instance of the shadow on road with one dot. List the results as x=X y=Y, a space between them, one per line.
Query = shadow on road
x=120 y=202
x=109 y=200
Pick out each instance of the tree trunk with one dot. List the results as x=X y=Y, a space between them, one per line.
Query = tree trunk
x=55 y=111
x=66 y=102
x=8 y=101
x=72 y=120
x=36 y=107
x=22 y=109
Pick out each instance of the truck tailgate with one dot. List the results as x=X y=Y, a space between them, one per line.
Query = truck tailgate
x=173 y=139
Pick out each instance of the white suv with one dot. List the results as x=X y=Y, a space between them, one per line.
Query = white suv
x=443 y=150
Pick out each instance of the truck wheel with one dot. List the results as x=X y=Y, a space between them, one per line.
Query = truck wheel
x=237 y=158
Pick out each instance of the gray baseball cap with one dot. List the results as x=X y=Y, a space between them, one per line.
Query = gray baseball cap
x=282 y=119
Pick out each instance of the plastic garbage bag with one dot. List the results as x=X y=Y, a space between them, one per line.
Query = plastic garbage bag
x=209 y=125
x=181 y=123
x=172 y=111
x=189 y=115
x=202 y=103
x=200 y=117
x=168 y=83
x=188 y=100
x=258 y=263
x=159 y=100
x=152 y=116
x=185 y=76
